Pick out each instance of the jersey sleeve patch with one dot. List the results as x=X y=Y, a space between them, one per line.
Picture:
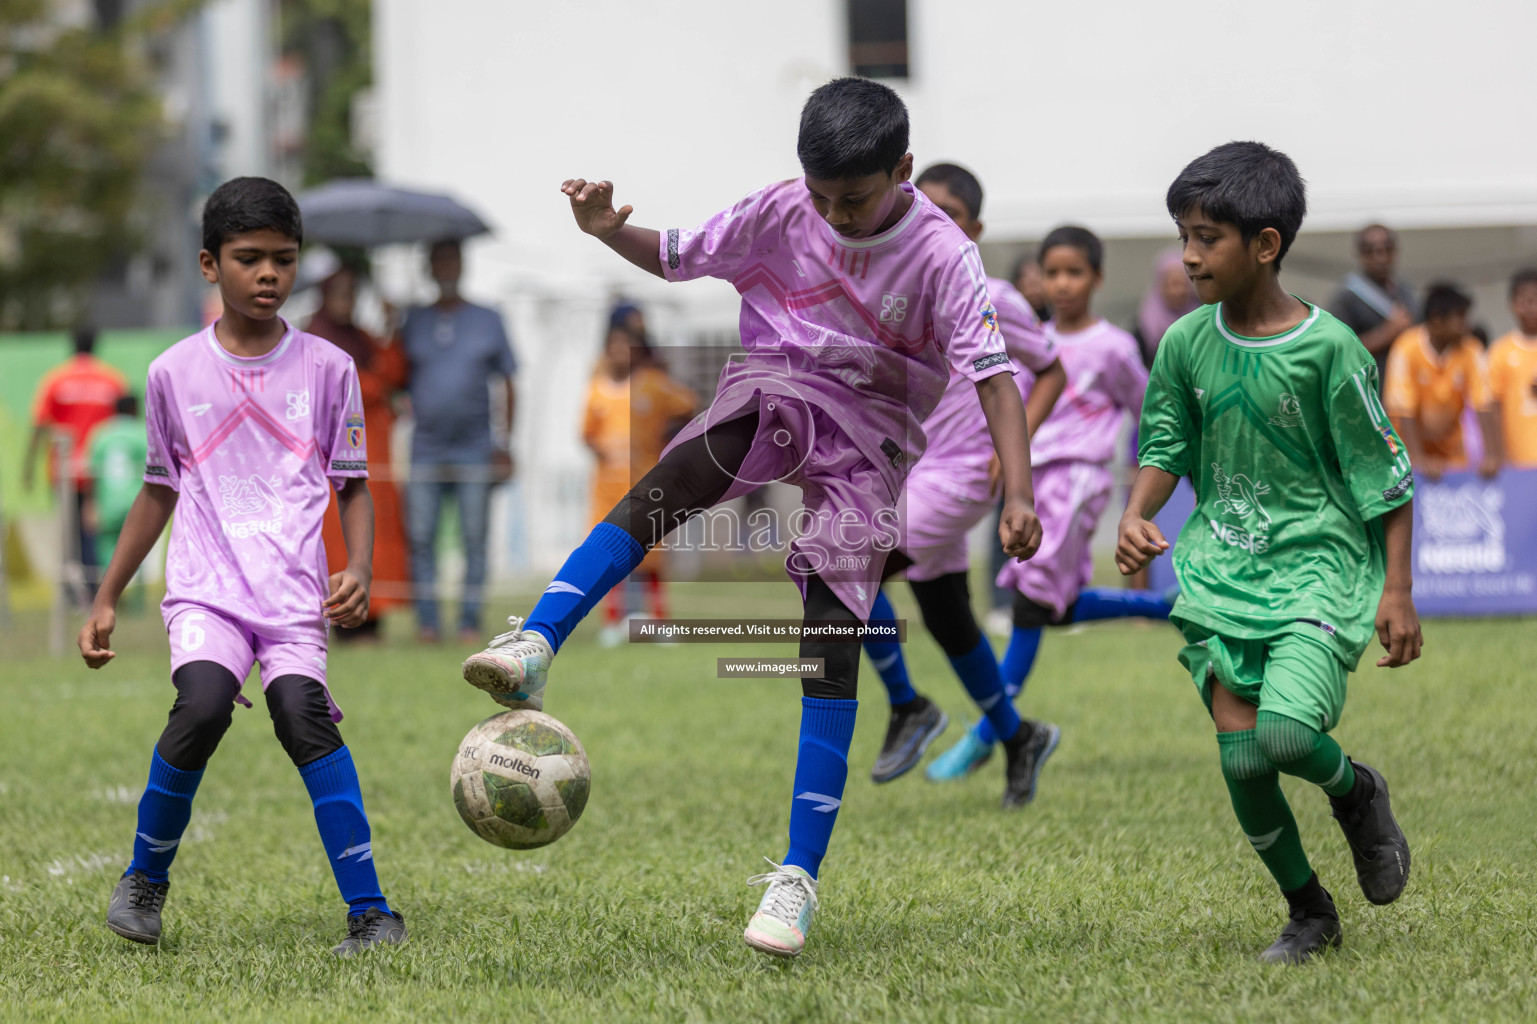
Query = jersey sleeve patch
x=989 y=361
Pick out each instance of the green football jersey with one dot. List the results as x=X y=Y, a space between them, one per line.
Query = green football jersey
x=118 y=449
x=1293 y=461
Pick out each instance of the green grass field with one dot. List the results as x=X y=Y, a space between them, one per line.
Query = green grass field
x=1125 y=892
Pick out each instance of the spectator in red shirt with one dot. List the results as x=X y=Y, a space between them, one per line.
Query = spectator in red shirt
x=71 y=400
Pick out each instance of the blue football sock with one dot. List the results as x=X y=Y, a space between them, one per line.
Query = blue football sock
x=164 y=810
x=1017 y=662
x=333 y=784
x=1112 y=603
x=606 y=557
x=886 y=655
x=978 y=669
x=821 y=768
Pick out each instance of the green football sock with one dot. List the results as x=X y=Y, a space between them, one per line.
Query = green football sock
x=1296 y=748
x=1262 y=810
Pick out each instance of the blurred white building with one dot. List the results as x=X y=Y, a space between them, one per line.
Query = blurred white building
x=1405 y=111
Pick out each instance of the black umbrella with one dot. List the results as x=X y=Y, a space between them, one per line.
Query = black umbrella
x=364 y=212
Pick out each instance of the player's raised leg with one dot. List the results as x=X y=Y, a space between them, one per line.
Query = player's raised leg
x=1305 y=683
x=828 y=708
x=690 y=477
x=915 y=720
x=205 y=703
x=301 y=717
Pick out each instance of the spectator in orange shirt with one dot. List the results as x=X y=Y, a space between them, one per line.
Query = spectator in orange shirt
x=633 y=407
x=1435 y=371
x=382 y=371
x=1513 y=373
x=72 y=399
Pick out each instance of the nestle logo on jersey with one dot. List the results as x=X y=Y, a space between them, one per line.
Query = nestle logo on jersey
x=250 y=529
x=1233 y=537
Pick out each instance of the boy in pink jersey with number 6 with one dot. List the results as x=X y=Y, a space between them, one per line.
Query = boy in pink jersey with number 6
x=859 y=299
x=251 y=423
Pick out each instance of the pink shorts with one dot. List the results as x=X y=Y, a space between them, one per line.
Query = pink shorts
x=1069 y=498
x=848 y=524
x=199 y=633
x=940 y=505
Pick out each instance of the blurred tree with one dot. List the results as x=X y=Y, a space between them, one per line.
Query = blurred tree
x=333 y=39
x=78 y=117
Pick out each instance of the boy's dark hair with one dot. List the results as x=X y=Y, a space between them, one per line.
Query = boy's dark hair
x=1445 y=299
x=1075 y=237
x=84 y=338
x=1521 y=278
x=128 y=405
x=961 y=183
x=1247 y=184
x=851 y=127
x=249 y=204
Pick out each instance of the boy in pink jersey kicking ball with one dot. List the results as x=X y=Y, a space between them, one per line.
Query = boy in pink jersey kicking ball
x=859 y=299
x=950 y=490
x=250 y=423
x=1071 y=454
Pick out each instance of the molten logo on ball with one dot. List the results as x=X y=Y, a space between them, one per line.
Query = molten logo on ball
x=520 y=780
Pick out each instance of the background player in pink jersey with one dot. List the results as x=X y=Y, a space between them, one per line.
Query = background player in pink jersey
x=859 y=299
x=1071 y=454
x=950 y=490
x=250 y=423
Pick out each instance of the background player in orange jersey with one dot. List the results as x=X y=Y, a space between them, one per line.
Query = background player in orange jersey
x=633 y=407
x=1513 y=373
x=1436 y=370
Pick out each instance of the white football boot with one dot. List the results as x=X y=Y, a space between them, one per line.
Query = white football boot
x=513 y=667
x=784 y=917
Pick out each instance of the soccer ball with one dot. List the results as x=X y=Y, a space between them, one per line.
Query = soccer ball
x=520 y=779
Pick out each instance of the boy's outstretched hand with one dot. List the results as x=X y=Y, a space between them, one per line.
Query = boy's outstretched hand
x=95 y=635
x=1137 y=543
x=1398 y=628
x=347 y=604
x=592 y=203
x=1019 y=529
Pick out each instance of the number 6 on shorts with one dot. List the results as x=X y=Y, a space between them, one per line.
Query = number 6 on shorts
x=192 y=635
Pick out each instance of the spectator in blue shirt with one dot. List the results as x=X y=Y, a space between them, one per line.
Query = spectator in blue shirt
x=457 y=352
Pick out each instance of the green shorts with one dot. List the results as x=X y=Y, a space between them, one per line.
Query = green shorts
x=1294 y=674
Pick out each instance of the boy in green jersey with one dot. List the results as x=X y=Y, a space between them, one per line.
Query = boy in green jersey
x=1298 y=547
x=117 y=449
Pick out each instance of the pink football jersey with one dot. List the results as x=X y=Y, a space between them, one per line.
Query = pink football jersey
x=956 y=428
x=1105 y=381
x=869 y=330
x=251 y=446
